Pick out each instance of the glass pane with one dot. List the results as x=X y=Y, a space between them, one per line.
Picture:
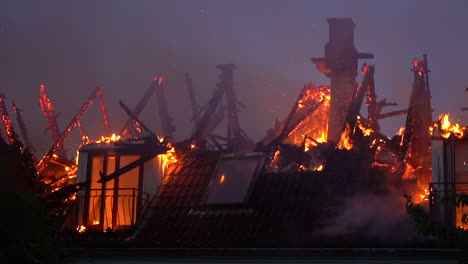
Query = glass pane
x=232 y=180
x=94 y=214
x=109 y=195
x=127 y=198
x=461 y=154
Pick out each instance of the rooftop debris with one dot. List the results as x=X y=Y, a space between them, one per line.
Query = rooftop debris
x=324 y=134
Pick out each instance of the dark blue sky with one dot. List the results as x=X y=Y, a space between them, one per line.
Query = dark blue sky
x=71 y=47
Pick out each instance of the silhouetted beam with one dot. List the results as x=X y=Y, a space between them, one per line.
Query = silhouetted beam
x=166 y=121
x=48 y=110
x=104 y=112
x=69 y=128
x=133 y=117
x=464 y=108
x=227 y=82
x=393 y=113
x=132 y=165
x=141 y=104
x=193 y=100
x=22 y=126
x=356 y=103
x=10 y=130
x=210 y=110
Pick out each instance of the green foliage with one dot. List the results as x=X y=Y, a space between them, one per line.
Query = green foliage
x=26 y=229
x=427 y=226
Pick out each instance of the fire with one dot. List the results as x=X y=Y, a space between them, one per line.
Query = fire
x=81 y=229
x=345 y=141
x=315 y=125
x=409 y=172
x=109 y=140
x=424 y=196
x=95 y=222
x=193 y=146
x=168 y=158
x=366 y=131
x=221 y=180
x=447 y=128
x=320 y=168
x=401 y=131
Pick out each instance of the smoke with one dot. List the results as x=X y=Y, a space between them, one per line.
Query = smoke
x=372 y=216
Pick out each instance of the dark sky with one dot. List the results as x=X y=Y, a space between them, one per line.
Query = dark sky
x=71 y=46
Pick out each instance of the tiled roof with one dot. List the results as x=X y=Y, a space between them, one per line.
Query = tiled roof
x=283 y=210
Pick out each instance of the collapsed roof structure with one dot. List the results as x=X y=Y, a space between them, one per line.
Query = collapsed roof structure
x=217 y=191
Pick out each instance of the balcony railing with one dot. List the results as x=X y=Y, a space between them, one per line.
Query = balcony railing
x=442 y=203
x=106 y=210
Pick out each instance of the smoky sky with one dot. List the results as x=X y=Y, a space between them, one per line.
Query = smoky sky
x=73 y=46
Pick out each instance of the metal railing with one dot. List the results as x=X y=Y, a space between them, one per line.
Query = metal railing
x=106 y=210
x=442 y=205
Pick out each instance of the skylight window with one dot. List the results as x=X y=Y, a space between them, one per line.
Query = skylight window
x=233 y=179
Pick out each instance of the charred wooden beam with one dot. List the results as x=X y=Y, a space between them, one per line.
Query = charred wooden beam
x=71 y=125
x=289 y=125
x=23 y=129
x=10 y=130
x=166 y=121
x=133 y=117
x=104 y=113
x=416 y=143
x=393 y=113
x=227 y=82
x=132 y=165
x=204 y=126
x=141 y=105
x=48 y=110
x=355 y=108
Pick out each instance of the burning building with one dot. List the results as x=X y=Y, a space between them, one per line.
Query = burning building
x=213 y=190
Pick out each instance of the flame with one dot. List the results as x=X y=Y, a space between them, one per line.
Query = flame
x=424 y=196
x=401 y=131
x=81 y=229
x=408 y=174
x=345 y=141
x=108 y=140
x=168 y=158
x=95 y=222
x=320 y=168
x=366 y=131
x=447 y=128
x=315 y=125
x=221 y=180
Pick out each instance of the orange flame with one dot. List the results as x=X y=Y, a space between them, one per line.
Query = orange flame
x=108 y=140
x=345 y=141
x=366 y=131
x=221 y=180
x=81 y=229
x=447 y=128
x=315 y=125
x=170 y=156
